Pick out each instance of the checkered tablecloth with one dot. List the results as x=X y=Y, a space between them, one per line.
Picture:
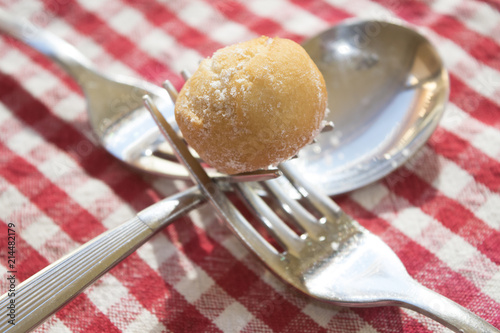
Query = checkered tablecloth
x=440 y=212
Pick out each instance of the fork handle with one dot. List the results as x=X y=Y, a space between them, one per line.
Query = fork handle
x=445 y=311
x=64 y=54
x=44 y=293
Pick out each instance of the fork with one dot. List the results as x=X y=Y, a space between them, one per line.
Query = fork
x=333 y=258
x=116 y=112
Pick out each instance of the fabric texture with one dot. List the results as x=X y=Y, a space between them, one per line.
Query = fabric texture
x=440 y=212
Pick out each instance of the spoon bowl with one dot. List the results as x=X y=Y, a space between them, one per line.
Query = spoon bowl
x=387 y=89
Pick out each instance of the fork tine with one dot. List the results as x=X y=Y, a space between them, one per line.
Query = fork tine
x=295 y=210
x=282 y=232
x=185 y=74
x=253 y=176
x=327 y=127
x=320 y=201
x=169 y=87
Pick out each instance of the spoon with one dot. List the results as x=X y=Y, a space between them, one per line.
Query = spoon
x=387 y=89
x=386 y=84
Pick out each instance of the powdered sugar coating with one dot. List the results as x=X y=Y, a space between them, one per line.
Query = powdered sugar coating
x=252 y=105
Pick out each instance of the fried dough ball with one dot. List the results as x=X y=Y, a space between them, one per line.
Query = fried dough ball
x=252 y=105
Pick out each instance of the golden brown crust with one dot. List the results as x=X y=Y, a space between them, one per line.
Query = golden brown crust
x=252 y=104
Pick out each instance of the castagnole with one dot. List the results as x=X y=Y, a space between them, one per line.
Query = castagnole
x=252 y=105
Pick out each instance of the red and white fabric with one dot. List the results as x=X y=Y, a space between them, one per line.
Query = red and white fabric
x=440 y=212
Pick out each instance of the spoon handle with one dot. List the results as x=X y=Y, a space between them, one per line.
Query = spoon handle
x=47 y=291
x=64 y=54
